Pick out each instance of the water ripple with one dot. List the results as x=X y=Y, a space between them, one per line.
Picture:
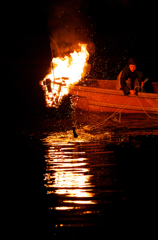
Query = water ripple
x=80 y=176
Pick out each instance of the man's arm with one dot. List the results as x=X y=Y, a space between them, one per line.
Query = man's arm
x=124 y=76
x=140 y=76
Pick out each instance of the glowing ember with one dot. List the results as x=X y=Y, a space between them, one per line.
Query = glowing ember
x=65 y=72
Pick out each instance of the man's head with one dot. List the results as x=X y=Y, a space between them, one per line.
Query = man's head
x=132 y=67
x=132 y=64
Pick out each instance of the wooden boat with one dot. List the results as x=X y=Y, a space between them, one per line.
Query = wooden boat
x=102 y=96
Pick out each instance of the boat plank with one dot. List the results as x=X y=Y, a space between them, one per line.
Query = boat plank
x=110 y=91
x=117 y=106
x=110 y=100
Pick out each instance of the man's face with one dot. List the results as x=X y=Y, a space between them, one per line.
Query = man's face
x=132 y=67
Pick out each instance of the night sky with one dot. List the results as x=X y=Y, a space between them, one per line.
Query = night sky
x=118 y=29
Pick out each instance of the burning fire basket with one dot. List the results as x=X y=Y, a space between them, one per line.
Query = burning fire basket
x=73 y=67
x=54 y=90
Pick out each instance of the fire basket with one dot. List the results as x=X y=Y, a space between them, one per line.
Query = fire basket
x=54 y=90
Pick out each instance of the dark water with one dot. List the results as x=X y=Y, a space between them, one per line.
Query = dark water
x=102 y=182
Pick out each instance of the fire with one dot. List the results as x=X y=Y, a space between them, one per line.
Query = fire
x=65 y=72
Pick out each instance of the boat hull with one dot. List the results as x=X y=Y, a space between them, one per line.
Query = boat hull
x=99 y=99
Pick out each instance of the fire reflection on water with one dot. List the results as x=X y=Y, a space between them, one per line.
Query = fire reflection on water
x=67 y=174
x=83 y=184
x=80 y=177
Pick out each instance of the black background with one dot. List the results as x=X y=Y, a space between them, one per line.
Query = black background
x=119 y=29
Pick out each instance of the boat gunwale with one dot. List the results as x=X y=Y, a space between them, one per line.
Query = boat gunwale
x=112 y=92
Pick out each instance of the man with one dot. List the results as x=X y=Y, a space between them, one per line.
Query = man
x=130 y=78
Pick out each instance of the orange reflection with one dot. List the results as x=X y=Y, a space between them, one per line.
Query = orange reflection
x=81 y=202
x=63 y=208
x=67 y=173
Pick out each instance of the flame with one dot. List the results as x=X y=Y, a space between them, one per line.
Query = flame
x=65 y=72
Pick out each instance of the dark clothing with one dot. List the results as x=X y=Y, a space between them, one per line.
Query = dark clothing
x=134 y=79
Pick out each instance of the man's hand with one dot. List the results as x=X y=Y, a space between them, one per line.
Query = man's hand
x=132 y=92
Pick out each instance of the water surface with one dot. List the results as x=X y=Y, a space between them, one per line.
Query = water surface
x=82 y=178
x=103 y=181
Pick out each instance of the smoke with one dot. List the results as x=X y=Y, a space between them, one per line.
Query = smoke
x=68 y=25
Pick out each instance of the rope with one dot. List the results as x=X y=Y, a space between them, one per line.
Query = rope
x=147 y=99
x=119 y=110
x=145 y=110
x=113 y=114
x=150 y=102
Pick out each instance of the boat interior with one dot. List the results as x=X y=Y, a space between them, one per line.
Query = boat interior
x=150 y=87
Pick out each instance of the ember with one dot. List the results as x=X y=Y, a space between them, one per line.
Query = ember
x=64 y=72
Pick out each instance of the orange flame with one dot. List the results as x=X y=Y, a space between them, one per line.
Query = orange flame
x=65 y=72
